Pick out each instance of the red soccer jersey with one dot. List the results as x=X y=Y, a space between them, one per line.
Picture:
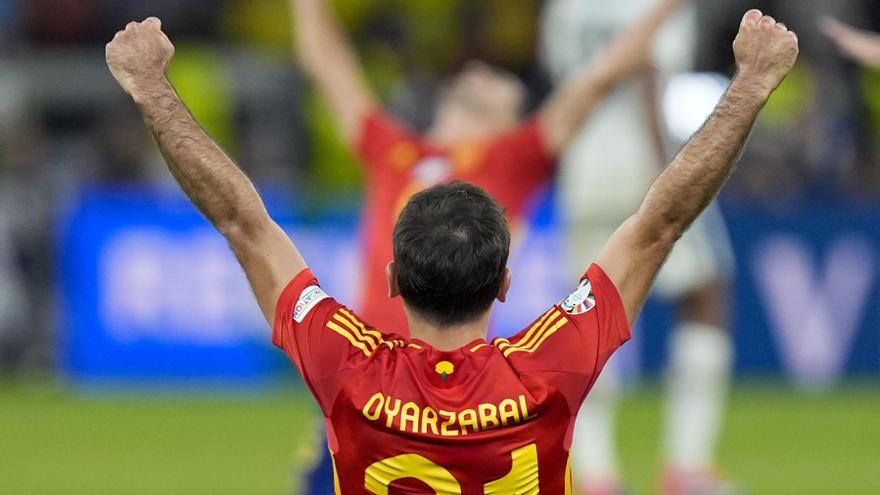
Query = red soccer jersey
x=399 y=163
x=405 y=418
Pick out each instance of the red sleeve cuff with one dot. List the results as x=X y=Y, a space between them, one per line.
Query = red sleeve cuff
x=609 y=292
x=288 y=298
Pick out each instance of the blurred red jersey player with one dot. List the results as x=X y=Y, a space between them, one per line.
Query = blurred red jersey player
x=477 y=135
x=400 y=163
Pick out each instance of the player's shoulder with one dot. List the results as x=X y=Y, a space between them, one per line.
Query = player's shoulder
x=300 y=298
x=533 y=337
x=381 y=124
x=370 y=340
x=575 y=310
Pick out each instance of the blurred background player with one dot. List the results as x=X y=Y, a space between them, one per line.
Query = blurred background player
x=612 y=162
x=478 y=135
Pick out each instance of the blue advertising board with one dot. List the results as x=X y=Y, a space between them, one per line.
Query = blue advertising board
x=150 y=292
x=806 y=299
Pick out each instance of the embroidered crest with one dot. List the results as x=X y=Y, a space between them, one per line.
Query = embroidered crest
x=444 y=369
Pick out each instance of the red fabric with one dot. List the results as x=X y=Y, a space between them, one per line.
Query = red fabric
x=399 y=163
x=379 y=404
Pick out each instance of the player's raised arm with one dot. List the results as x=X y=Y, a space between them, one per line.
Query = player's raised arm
x=138 y=58
x=765 y=53
x=862 y=46
x=330 y=61
x=564 y=113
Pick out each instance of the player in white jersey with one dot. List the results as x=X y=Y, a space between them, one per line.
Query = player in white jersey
x=604 y=173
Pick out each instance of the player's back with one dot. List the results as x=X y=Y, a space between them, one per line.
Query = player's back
x=404 y=417
x=457 y=422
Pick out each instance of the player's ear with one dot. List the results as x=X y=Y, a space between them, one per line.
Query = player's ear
x=505 y=285
x=391 y=277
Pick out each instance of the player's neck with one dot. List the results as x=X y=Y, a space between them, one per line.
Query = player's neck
x=447 y=338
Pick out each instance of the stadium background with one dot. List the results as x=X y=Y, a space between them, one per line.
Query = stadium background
x=134 y=360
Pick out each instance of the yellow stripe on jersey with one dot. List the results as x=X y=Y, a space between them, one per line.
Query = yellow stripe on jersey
x=503 y=343
x=370 y=341
x=350 y=337
x=364 y=329
x=336 y=490
x=548 y=328
x=533 y=334
x=478 y=347
x=556 y=326
x=528 y=336
x=551 y=328
x=568 y=476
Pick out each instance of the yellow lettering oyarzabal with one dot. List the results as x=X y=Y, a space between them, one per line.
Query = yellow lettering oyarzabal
x=413 y=418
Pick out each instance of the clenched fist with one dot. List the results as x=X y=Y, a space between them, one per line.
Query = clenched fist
x=138 y=56
x=765 y=50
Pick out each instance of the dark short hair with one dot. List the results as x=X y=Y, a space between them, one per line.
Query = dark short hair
x=451 y=244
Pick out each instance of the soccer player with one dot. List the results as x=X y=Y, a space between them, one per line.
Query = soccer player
x=444 y=411
x=478 y=134
x=612 y=160
x=861 y=46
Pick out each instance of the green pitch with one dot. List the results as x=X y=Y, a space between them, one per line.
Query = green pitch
x=52 y=442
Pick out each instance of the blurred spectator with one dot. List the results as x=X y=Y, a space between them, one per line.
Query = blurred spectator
x=15 y=303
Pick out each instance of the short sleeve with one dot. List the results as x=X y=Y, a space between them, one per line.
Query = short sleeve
x=321 y=337
x=597 y=291
x=569 y=345
x=382 y=139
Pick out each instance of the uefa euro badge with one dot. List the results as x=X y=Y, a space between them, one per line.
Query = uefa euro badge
x=581 y=300
x=444 y=369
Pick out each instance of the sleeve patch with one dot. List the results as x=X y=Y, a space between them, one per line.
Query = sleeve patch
x=581 y=300
x=308 y=299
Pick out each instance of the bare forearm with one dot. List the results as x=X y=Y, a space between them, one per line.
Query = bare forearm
x=626 y=55
x=699 y=170
x=564 y=114
x=318 y=34
x=329 y=59
x=138 y=58
x=637 y=250
x=765 y=53
x=209 y=178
